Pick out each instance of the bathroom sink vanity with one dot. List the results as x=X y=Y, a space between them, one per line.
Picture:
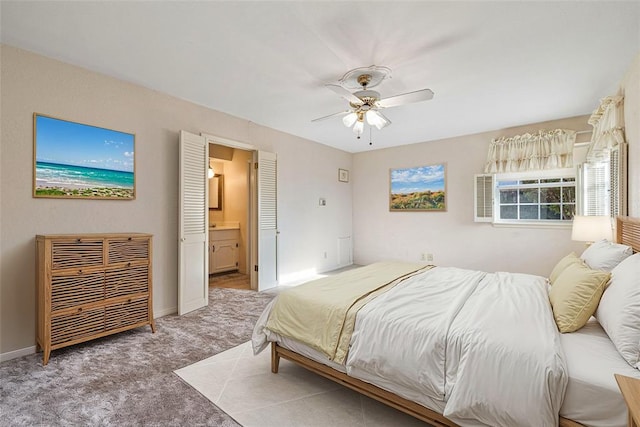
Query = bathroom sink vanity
x=224 y=248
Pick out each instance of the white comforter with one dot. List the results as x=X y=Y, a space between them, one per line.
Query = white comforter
x=484 y=344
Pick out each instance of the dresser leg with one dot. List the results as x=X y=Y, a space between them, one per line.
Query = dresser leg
x=46 y=352
x=153 y=327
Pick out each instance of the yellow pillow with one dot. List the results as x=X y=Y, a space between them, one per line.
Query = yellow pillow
x=572 y=258
x=575 y=296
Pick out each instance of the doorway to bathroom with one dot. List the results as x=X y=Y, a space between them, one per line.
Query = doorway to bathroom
x=261 y=234
x=249 y=205
x=229 y=216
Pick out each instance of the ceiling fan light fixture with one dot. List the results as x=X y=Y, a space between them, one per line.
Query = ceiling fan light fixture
x=349 y=119
x=358 y=128
x=375 y=119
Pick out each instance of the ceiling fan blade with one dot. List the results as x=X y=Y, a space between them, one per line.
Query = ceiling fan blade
x=406 y=98
x=344 y=93
x=341 y=113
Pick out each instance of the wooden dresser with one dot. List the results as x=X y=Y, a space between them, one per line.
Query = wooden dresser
x=91 y=285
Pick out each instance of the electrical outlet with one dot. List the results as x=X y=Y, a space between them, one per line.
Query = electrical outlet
x=426 y=257
x=322 y=201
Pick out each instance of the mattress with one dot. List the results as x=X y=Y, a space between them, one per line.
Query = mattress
x=593 y=397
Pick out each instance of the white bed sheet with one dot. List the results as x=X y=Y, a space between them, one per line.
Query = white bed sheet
x=593 y=397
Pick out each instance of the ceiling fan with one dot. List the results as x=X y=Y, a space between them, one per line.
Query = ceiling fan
x=366 y=103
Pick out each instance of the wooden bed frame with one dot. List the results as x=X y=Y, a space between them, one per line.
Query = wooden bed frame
x=627 y=232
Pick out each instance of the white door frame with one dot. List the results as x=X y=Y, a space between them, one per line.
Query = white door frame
x=251 y=251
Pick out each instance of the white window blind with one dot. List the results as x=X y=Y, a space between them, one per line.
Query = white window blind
x=594 y=182
x=603 y=184
x=618 y=179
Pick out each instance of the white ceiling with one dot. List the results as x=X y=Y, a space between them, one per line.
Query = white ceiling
x=491 y=64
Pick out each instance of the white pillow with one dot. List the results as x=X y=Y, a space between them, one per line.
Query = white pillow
x=605 y=255
x=619 y=309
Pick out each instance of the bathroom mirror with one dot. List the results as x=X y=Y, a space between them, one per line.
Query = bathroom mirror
x=216 y=190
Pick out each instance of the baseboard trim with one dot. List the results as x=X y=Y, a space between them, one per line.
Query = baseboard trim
x=30 y=350
x=17 y=353
x=165 y=312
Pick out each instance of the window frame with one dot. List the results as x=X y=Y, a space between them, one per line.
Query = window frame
x=532 y=175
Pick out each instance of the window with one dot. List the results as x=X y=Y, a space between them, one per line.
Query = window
x=595 y=188
x=526 y=198
x=603 y=184
x=552 y=199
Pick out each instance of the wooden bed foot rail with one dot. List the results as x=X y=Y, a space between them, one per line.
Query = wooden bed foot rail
x=384 y=396
x=407 y=406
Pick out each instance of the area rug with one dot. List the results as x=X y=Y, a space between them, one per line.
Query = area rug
x=243 y=386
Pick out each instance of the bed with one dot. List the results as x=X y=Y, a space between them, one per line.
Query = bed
x=566 y=379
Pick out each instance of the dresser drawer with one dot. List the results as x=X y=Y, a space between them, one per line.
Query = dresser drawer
x=77 y=325
x=75 y=253
x=129 y=249
x=127 y=313
x=127 y=280
x=78 y=288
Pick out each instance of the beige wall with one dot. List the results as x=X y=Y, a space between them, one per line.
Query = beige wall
x=32 y=83
x=630 y=88
x=452 y=237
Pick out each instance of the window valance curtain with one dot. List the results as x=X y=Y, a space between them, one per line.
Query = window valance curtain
x=608 y=127
x=546 y=149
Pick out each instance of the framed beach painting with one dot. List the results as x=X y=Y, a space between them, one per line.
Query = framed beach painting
x=74 y=160
x=420 y=188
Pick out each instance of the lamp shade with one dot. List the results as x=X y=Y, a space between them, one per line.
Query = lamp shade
x=591 y=228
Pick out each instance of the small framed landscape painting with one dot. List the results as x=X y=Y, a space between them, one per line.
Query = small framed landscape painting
x=420 y=188
x=74 y=160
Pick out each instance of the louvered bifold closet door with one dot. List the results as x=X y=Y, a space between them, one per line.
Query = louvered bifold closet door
x=193 y=261
x=267 y=220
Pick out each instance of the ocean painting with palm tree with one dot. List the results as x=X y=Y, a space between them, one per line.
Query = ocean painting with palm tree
x=420 y=188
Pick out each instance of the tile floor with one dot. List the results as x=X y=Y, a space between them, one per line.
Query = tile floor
x=243 y=386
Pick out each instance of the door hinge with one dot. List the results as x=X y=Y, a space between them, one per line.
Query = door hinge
x=255 y=165
x=255 y=268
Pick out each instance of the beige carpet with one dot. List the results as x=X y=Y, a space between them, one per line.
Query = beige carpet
x=243 y=386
